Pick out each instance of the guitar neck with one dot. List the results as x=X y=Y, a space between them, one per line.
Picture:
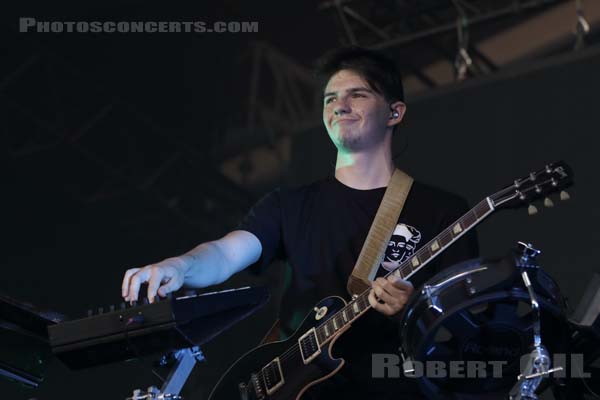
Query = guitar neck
x=360 y=304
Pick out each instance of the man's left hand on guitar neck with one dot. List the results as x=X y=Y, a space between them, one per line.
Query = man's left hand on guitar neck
x=389 y=295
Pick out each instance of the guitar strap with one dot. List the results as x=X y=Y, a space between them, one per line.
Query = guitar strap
x=379 y=235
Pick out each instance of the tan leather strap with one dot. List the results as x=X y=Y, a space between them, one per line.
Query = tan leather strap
x=380 y=233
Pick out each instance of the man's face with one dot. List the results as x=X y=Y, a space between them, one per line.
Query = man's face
x=354 y=115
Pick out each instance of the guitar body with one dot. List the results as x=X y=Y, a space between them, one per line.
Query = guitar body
x=288 y=377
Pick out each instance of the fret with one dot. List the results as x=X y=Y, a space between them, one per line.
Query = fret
x=335 y=325
x=469 y=218
x=355 y=308
x=445 y=238
x=320 y=337
x=426 y=254
x=326 y=329
x=365 y=302
x=344 y=316
x=481 y=209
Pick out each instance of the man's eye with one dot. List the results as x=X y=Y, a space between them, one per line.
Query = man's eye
x=328 y=100
x=357 y=95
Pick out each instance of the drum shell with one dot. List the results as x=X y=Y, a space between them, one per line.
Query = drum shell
x=493 y=284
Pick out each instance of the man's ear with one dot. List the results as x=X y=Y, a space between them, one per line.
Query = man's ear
x=397 y=111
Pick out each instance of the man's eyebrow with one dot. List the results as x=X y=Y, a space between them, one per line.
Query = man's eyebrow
x=351 y=90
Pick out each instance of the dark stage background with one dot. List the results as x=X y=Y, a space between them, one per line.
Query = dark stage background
x=66 y=242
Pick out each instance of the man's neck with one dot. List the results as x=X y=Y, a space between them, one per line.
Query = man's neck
x=365 y=170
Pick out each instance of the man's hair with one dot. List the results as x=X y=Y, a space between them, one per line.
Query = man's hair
x=377 y=70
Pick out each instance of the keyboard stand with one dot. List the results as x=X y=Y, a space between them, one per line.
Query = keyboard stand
x=185 y=361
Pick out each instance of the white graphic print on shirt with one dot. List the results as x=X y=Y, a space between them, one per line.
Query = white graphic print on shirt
x=402 y=245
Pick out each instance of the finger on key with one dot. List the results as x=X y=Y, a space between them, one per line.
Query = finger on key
x=136 y=281
x=154 y=282
x=125 y=283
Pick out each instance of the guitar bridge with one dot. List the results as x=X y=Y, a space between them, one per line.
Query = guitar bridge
x=309 y=346
x=258 y=390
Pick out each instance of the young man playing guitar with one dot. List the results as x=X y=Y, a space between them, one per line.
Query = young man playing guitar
x=320 y=228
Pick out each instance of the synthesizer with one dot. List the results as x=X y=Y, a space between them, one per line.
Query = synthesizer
x=127 y=331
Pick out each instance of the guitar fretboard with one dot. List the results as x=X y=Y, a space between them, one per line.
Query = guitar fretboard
x=359 y=305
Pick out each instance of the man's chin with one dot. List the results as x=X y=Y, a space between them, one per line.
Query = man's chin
x=349 y=143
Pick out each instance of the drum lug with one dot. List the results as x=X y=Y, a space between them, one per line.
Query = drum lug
x=471 y=290
x=432 y=299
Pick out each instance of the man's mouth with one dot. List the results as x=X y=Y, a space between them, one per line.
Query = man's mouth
x=344 y=120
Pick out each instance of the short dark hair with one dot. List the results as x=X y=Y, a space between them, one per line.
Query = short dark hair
x=377 y=70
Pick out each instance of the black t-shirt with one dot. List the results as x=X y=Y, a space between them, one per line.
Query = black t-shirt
x=319 y=229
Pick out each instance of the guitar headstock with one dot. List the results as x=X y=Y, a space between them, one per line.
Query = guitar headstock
x=550 y=179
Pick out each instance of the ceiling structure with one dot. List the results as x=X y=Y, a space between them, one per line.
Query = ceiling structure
x=118 y=157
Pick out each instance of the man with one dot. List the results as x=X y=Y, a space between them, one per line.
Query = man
x=320 y=228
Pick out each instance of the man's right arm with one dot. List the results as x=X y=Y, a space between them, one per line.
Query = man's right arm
x=208 y=264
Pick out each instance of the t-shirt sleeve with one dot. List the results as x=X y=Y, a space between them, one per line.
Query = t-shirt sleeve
x=264 y=221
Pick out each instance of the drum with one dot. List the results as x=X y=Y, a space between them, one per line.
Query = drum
x=465 y=331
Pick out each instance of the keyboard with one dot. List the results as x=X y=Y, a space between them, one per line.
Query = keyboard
x=127 y=331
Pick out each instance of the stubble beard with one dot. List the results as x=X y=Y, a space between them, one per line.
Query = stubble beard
x=349 y=140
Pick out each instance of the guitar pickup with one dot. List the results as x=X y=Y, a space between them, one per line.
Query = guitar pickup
x=273 y=376
x=309 y=346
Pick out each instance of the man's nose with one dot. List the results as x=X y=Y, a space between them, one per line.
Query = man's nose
x=341 y=107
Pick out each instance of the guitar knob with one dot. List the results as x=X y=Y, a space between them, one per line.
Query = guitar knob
x=532 y=210
x=548 y=202
x=564 y=195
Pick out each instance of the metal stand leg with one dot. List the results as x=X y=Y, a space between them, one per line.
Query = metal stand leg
x=538 y=365
x=186 y=360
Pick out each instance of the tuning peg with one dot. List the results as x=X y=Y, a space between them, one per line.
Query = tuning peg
x=564 y=195
x=532 y=210
x=548 y=202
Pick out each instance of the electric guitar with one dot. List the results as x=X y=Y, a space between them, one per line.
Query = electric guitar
x=286 y=369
